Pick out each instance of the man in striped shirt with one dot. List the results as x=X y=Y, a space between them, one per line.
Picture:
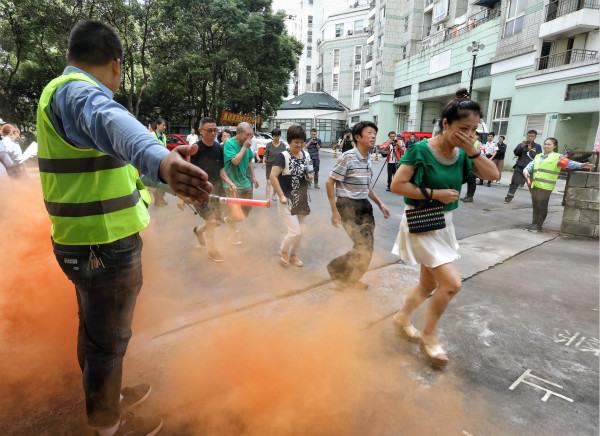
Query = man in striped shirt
x=349 y=181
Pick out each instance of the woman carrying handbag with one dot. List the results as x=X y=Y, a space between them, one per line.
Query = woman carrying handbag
x=430 y=177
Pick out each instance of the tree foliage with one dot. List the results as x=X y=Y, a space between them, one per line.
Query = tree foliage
x=206 y=55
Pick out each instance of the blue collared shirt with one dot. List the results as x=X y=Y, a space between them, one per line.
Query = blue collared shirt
x=86 y=116
x=571 y=165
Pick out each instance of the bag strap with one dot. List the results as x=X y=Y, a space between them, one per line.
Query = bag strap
x=426 y=195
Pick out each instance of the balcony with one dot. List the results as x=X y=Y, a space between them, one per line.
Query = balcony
x=367 y=82
x=566 y=18
x=569 y=57
x=369 y=57
x=437 y=34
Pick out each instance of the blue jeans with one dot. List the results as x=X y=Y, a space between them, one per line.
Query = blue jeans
x=106 y=296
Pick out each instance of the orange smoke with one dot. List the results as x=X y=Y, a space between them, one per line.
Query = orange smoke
x=38 y=309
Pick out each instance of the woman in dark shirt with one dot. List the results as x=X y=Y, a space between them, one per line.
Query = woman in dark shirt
x=272 y=149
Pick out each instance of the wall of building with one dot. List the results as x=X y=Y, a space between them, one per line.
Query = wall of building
x=525 y=41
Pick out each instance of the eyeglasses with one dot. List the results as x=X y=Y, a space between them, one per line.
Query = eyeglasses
x=211 y=130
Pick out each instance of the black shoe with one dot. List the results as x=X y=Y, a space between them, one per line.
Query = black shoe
x=317 y=187
x=480 y=182
x=530 y=227
x=200 y=236
x=387 y=189
x=467 y=199
x=131 y=426
x=507 y=200
x=134 y=396
x=489 y=183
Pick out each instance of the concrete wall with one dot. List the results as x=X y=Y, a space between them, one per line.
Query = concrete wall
x=580 y=217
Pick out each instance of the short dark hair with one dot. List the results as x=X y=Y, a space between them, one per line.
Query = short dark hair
x=491 y=133
x=391 y=131
x=534 y=132
x=412 y=134
x=459 y=108
x=348 y=130
x=276 y=132
x=313 y=130
x=206 y=120
x=502 y=136
x=94 y=43
x=358 y=128
x=220 y=135
x=296 y=131
x=553 y=140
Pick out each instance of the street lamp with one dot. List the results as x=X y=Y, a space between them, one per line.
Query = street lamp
x=474 y=49
x=157 y=110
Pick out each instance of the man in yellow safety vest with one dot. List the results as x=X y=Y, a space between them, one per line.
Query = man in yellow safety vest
x=88 y=147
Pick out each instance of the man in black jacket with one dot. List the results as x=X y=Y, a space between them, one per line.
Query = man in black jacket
x=525 y=153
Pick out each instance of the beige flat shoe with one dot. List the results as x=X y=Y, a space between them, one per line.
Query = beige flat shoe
x=409 y=332
x=433 y=353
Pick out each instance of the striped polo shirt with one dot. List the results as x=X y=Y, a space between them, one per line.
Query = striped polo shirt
x=352 y=173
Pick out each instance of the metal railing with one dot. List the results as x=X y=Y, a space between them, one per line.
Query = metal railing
x=369 y=57
x=568 y=57
x=559 y=8
x=436 y=37
x=367 y=83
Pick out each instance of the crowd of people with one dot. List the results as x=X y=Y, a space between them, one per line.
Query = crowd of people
x=11 y=153
x=98 y=204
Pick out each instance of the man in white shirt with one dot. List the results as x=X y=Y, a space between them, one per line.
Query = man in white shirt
x=192 y=138
x=489 y=149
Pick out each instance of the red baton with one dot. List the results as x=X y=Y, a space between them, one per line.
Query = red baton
x=242 y=201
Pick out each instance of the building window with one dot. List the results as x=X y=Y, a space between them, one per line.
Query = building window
x=321 y=59
x=401 y=92
x=355 y=119
x=375 y=119
x=403 y=52
x=308 y=71
x=336 y=57
x=358 y=55
x=500 y=116
x=309 y=36
x=309 y=51
x=339 y=30
x=310 y=20
x=368 y=73
x=310 y=2
x=581 y=91
x=336 y=82
x=356 y=80
x=378 y=72
x=358 y=27
x=515 y=17
x=483 y=71
x=382 y=13
x=406 y=24
x=536 y=122
x=440 y=10
x=440 y=82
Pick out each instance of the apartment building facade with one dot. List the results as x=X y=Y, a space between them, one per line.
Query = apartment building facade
x=342 y=50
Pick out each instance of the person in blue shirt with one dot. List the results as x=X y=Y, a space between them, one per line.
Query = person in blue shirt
x=85 y=116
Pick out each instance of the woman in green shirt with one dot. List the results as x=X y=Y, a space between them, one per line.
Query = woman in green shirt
x=441 y=165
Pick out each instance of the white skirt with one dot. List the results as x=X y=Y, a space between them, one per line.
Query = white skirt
x=431 y=249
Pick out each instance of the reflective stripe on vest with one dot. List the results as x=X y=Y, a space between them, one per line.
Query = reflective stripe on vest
x=91 y=197
x=545 y=173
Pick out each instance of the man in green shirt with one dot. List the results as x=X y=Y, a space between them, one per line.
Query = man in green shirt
x=238 y=155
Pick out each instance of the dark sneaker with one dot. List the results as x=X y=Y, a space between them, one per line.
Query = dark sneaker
x=215 y=256
x=134 y=396
x=507 y=200
x=131 y=426
x=467 y=199
x=200 y=236
x=530 y=227
x=489 y=183
x=317 y=187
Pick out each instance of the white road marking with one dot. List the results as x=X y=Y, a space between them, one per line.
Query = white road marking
x=549 y=392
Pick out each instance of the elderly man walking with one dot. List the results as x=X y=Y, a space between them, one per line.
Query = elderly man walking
x=238 y=156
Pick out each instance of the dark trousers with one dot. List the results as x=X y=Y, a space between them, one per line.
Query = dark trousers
x=316 y=163
x=391 y=170
x=518 y=179
x=359 y=223
x=106 y=296
x=540 y=199
x=471 y=187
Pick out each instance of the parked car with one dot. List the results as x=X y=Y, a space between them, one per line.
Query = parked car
x=174 y=140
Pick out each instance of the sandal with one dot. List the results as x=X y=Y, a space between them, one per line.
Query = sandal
x=408 y=332
x=431 y=353
x=284 y=261
x=295 y=261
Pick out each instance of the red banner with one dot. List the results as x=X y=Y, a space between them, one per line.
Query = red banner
x=230 y=117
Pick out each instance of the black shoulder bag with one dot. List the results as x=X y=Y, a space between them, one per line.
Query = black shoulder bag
x=425 y=219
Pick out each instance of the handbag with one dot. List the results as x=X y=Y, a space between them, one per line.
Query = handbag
x=425 y=219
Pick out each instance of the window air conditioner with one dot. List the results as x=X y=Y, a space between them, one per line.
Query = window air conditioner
x=350 y=32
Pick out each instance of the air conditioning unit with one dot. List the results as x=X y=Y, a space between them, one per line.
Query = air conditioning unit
x=350 y=32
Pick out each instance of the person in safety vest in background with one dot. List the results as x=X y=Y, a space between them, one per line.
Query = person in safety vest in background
x=97 y=205
x=545 y=169
x=159 y=128
x=395 y=148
